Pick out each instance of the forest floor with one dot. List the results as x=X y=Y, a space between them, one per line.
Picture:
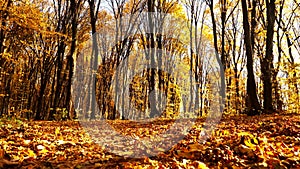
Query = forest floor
x=267 y=141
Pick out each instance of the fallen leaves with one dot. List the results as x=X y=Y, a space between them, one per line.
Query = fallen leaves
x=237 y=142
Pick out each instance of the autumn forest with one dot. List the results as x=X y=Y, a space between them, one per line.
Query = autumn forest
x=149 y=84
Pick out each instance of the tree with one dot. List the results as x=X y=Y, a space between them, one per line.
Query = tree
x=253 y=105
x=196 y=10
x=220 y=56
x=94 y=10
x=267 y=64
x=287 y=42
x=76 y=7
x=238 y=59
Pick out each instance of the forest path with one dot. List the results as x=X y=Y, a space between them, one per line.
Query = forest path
x=238 y=142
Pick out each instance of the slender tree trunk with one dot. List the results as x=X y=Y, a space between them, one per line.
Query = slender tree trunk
x=41 y=98
x=192 y=55
x=151 y=48
x=74 y=10
x=4 y=15
x=253 y=23
x=58 y=86
x=268 y=59
x=94 y=61
x=223 y=57
x=293 y=67
x=221 y=65
x=252 y=100
x=276 y=87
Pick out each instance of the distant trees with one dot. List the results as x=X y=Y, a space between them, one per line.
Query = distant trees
x=43 y=45
x=287 y=40
x=66 y=19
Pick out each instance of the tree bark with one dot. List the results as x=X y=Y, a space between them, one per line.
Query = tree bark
x=253 y=105
x=94 y=61
x=210 y=3
x=267 y=66
x=151 y=48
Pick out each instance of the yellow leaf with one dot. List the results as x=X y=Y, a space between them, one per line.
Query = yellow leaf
x=31 y=154
x=202 y=166
x=43 y=151
x=226 y=132
x=255 y=140
x=248 y=143
x=57 y=131
x=245 y=134
x=138 y=167
x=270 y=153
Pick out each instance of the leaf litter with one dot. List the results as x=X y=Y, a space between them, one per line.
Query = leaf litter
x=267 y=141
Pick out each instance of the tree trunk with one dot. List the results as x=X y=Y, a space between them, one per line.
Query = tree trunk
x=221 y=65
x=253 y=105
x=94 y=62
x=151 y=48
x=74 y=10
x=268 y=60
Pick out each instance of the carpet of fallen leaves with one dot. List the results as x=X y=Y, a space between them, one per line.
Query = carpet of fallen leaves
x=268 y=141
